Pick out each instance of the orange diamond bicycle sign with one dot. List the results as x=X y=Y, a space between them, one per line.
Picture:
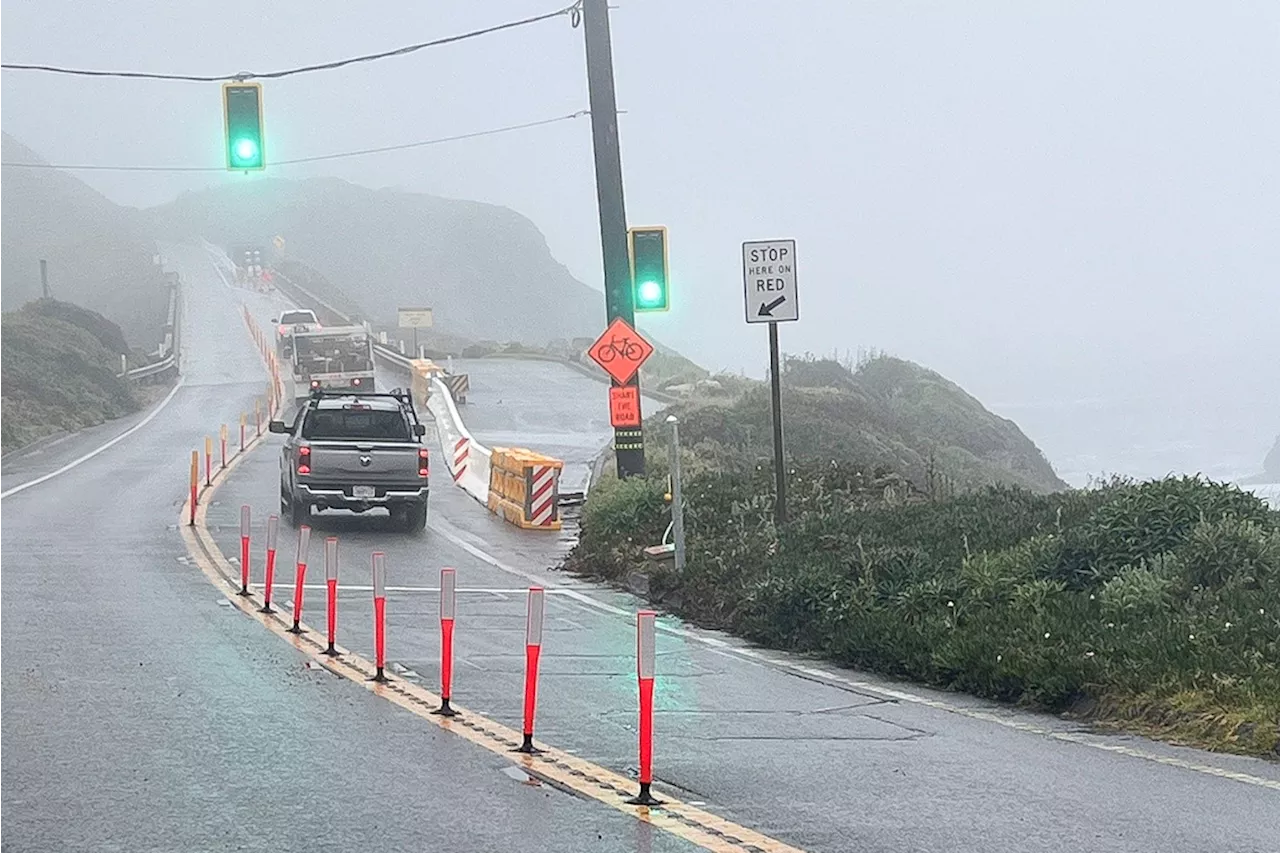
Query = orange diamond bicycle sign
x=620 y=351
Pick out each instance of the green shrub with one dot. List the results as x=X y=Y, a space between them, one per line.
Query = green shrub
x=1145 y=598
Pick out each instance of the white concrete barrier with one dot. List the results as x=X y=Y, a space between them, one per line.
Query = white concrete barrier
x=470 y=471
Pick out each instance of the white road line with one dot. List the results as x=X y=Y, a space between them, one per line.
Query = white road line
x=92 y=453
x=825 y=676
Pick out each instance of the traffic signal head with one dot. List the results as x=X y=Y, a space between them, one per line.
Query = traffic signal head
x=649 y=282
x=242 y=110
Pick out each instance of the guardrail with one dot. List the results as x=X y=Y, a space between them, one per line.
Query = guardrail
x=169 y=353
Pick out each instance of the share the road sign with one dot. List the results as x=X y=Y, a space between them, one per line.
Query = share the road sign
x=769 y=281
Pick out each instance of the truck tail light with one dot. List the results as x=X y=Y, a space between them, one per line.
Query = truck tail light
x=355 y=381
x=424 y=458
x=304 y=460
x=315 y=383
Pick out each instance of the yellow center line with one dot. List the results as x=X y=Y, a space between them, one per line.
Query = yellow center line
x=553 y=766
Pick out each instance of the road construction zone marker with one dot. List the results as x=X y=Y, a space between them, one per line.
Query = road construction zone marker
x=524 y=488
x=532 y=651
x=461 y=456
x=448 y=613
x=300 y=576
x=545 y=763
x=458 y=384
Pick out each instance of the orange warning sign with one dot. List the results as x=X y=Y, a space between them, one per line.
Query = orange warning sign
x=620 y=351
x=624 y=406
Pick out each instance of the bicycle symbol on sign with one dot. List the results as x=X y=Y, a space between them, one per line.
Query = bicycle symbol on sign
x=620 y=347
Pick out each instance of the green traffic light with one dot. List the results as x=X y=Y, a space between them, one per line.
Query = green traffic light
x=242 y=111
x=650 y=283
x=649 y=293
x=246 y=150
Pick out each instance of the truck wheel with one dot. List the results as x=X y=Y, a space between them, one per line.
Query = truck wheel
x=412 y=519
x=298 y=513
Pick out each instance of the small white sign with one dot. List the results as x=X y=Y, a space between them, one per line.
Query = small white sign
x=415 y=318
x=769 y=281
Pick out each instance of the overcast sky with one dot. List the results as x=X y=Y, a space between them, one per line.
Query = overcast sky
x=1039 y=199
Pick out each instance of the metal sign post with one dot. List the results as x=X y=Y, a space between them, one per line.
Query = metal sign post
x=770 y=296
x=415 y=318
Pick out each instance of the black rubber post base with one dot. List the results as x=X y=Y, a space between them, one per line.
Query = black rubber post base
x=296 y=629
x=266 y=608
x=244 y=590
x=444 y=710
x=380 y=676
x=644 y=798
x=527 y=747
x=332 y=652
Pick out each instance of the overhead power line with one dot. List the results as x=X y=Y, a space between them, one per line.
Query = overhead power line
x=313 y=159
x=571 y=10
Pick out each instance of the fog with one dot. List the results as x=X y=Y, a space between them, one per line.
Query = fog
x=1070 y=208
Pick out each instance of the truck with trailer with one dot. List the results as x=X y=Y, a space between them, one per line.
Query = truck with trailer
x=336 y=358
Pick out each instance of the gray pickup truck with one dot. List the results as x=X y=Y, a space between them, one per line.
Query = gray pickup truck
x=355 y=452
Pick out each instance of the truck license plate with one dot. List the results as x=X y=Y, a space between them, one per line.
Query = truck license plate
x=362 y=491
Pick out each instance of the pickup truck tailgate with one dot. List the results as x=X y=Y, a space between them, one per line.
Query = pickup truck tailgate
x=365 y=463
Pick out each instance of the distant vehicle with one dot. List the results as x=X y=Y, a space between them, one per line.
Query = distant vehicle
x=355 y=452
x=295 y=320
x=339 y=358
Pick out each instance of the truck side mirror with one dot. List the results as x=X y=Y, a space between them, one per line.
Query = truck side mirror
x=419 y=430
x=274 y=320
x=278 y=426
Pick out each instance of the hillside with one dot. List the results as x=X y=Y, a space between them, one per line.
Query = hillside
x=59 y=371
x=100 y=255
x=486 y=270
x=1271 y=465
x=889 y=413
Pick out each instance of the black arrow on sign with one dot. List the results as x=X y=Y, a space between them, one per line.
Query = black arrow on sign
x=767 y=309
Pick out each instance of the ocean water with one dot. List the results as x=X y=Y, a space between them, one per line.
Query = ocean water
x=1220 y=436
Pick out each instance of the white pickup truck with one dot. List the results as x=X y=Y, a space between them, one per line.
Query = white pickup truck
x=289 y=323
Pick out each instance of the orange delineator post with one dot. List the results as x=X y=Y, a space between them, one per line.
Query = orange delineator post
x=222 y=442
x=273 y=530
x=448 y=611
x=304 y=544
x=245 y=530
x=195 y=484
x=379 y=615
x=331 y=581
x=208 y=461
x=532 y=651
x=242 y=420
x=645 y=624
x=257 y=415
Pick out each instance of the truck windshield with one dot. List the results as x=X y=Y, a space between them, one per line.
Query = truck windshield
x=355 y=425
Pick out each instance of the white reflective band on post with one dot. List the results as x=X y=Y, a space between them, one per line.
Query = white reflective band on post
x=331 y=558
x=644 y=643
x=448 y=590
x=379 y=575
x=304 y=543
x=273 y=530
x=245 y=527
x=537 y=605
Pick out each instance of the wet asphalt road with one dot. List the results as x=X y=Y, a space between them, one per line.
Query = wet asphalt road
x=140 y=714
x=821 y=758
